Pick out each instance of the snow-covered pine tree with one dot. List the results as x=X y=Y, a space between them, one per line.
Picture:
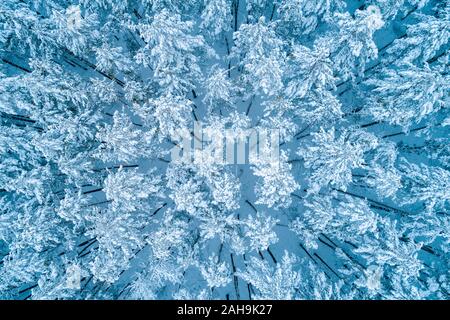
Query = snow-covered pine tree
x=95 y=96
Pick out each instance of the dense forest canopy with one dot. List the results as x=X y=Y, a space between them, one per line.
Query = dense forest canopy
x=94 y=95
